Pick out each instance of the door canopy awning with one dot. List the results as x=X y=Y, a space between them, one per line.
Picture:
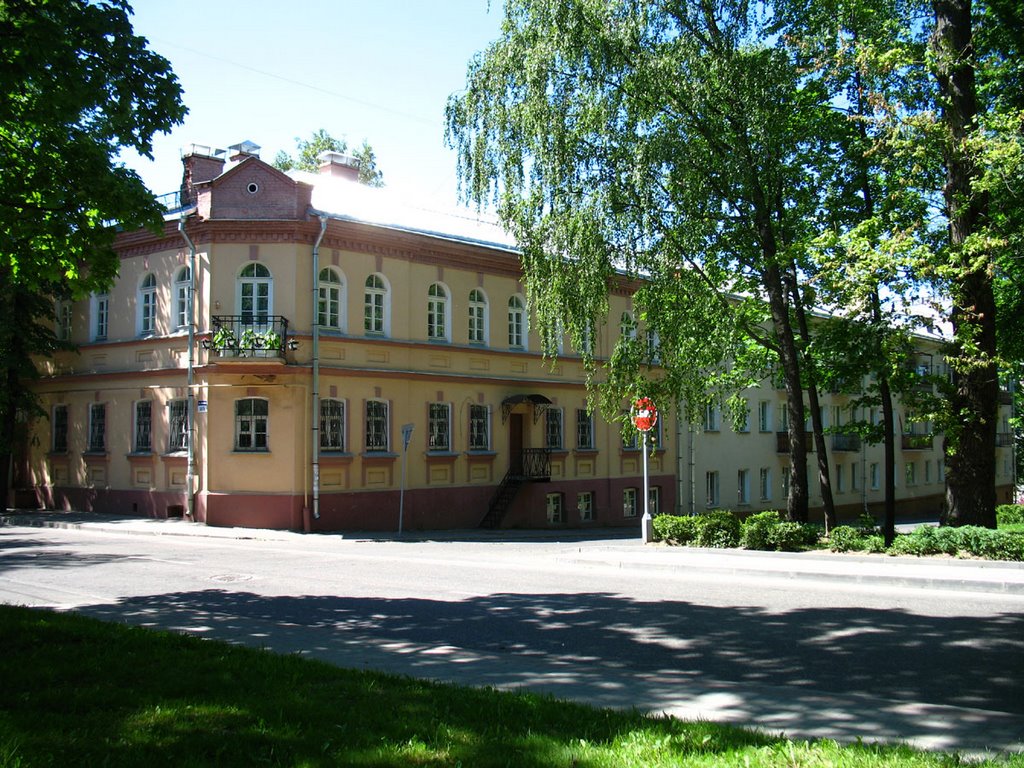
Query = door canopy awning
x=539 y=402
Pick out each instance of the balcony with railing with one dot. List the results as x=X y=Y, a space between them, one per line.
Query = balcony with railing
x=912 y=441
x=782 y=442
x=1004 y=439
x=249 y=336
x=841 y=442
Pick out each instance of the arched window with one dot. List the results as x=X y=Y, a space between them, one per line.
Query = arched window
x=251 y=416
x=147 y=305
x=255 y=294
x=478 y=330
x=376 y=306
x=516 y=323
x=182 y=283
x=331 y=299
x=437 y=313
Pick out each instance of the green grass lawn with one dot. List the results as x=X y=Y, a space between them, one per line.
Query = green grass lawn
x=79 y=692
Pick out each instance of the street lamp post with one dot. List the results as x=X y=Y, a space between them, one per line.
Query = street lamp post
x=645 y=416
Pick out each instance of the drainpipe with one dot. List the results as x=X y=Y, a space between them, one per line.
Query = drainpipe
x=315 y=400
x=190 y=472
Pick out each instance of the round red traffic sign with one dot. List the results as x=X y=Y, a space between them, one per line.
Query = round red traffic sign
x=645 y=415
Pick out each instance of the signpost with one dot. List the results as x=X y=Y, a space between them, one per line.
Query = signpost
x=406 y=438
x=645 y=416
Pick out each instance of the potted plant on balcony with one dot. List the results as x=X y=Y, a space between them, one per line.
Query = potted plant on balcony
x=250 y=341
x=271 y=339
x=224 y=340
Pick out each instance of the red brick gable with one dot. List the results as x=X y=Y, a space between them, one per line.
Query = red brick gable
x=252 y=189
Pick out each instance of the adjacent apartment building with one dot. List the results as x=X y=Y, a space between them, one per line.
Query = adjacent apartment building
x=300 y=351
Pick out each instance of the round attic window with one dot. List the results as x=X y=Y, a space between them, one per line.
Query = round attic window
x=253 y=188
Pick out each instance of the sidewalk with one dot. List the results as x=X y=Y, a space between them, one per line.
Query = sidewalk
x=611 y=548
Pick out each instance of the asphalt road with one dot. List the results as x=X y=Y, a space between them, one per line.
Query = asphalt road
x=940 y=669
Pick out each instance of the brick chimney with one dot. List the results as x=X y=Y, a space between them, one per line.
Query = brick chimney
x=339 y=165
x=200 y=163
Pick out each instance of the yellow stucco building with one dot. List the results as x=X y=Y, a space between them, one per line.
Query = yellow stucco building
x=331 y=323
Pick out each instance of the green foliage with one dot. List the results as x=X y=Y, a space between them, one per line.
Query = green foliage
x=717 y=528
x=845 y=538
x=77 y=86
x=675 y=529
x=756 y=530
x=1010 y=514
x=81 y=692
x=309 y=151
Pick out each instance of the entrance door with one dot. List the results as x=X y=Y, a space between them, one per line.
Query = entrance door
x=515 y=443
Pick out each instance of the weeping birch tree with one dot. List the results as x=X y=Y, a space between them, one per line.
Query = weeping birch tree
x=674 y=142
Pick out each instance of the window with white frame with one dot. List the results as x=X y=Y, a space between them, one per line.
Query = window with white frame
x=712 y=488
x=712 y=416
x=553 y=429
x=587 y=340
x=927 y=470
x=437 y=312
x=855 y=476
x=555 y=510
x=375 y=305
x=330 y=299
x=765 y=483
x=584 y=429
x=439 y=427
x=630 y=434
x=743 y=487
x=585 y=505
x=376 y=426
x=910 y=470
x=147 y=305
x=142 y=441
x=100 y=316
x=97 y=428
x=764 y=416
x=63 y=319
x=553 y=335
x=332 y=424
x=516 y=323
x=59 y=429
x=255 y=294
x=784 y=418
x=654 y=499
x=182 y=286
x=940 y=470
x=840 y=479
x=479 y=428
x=478 y=330
x=743 y=419
x=874 y=476
x=787 y=476
x=251 y=424
x=653 y=347
x=627 y=326
x=629 y=496
x=177 y=426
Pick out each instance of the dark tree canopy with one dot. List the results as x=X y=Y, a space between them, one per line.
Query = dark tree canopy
x=77 y=85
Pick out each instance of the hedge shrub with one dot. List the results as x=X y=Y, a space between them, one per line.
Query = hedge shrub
x=675 y=529
x=1010 y=514
x=718 y=528
x=846 y=538
x=768 y=531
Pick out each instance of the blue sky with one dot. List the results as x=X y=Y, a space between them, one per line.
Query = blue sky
x=270 y=71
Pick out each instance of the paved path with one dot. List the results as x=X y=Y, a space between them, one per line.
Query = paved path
x=800 y=712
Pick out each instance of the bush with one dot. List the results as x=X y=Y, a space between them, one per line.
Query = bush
x=788 y=536
x=1010 y=514
x=717 y=528
x=994 y=545
x=845 y=538
x=676 y=529
x=756 y=530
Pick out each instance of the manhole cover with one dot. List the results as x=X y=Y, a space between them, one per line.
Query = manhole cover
x=231 y=578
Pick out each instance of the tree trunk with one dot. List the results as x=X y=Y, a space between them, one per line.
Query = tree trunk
x=824 y=472
x=797 y=503
x=970 y=442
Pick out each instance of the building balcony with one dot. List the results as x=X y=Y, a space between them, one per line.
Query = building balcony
x=914 y=442
x=248 y=336
x=782 y=442
x=841 y=442
x=1004 y=439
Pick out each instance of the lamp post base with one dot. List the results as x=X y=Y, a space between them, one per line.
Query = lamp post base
x=647 y=529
